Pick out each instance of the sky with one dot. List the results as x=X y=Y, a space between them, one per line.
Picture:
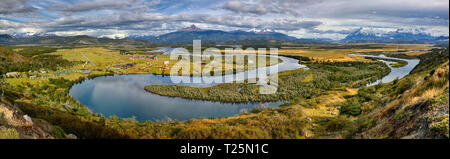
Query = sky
x=332 y=19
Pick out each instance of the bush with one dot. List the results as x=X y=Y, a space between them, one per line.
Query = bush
x=8 y=133
x=404 y=85
x=58 y=132
x=351 y=107
x=441 y=127
x=338 y=123
x=72 y=123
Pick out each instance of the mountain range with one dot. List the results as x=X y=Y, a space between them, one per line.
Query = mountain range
x=186 y=35
x=66 y=40
x=397 y=36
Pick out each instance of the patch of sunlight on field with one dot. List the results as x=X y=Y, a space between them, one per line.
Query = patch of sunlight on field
x=309 y=78
x=99 y=56
x=17 y=49
x=103 y=58
x=319 y=54
x=416 y=53
x=324 y=107
x=340 y=55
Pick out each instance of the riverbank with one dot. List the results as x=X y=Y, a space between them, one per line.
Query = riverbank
x=297 y=84
x=306 y=118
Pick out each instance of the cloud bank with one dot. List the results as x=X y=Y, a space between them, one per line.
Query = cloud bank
x=300 y=18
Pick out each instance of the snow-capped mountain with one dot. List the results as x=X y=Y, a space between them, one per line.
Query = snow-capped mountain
x=193 y=33
x=31 y=34
x=260 y=30
x=191 y=29
x=400 y=35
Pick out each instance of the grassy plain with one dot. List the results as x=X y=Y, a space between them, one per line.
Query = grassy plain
x=105 y=60
x=315 y=117
x=338 y=52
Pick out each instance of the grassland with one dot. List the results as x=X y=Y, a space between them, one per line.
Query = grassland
x=338 y=52
x=8 y=133
x=105 y=60
x=321 y=115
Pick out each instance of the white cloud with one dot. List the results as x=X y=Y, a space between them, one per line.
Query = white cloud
x=16 y=7
x=300 y=18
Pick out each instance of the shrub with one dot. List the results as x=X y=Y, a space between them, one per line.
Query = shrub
x=441 y=127
x=8 y=133
x=338 y=123
x=351 y=107
x=404 y=85
x=58 y=132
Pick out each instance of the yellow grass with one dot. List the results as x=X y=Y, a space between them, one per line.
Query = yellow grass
x=309 y=78
x=341 y=54
x=323 y=108
x=105 y=59
x=416 y=53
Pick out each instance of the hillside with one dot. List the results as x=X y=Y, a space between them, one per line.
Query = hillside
x=14 y=124
x=69 y=40
x=413 y=107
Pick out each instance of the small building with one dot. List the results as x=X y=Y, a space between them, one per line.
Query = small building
x=44 y=76
x=87 y=71
x=154 y=57
x=33 y=77
x=43 y=71
x=128 y=65
x=12 y=74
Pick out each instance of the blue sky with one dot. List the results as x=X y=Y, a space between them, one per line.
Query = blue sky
x=300 y=18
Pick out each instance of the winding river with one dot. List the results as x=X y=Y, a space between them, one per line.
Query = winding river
x=125 y=97
x=395 y=73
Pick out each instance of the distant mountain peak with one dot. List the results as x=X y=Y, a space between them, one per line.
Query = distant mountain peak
x=32 y=34
x=191 y=28
x=371 y=31
x=188 y=34
x=412 y=31
x=261 y=30
x=6 y=36
x=370 y=34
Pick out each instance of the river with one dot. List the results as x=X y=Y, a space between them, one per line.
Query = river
x=125 y=97
x=396 y=73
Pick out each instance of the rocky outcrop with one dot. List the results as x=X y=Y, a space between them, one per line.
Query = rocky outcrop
x=13 y=122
